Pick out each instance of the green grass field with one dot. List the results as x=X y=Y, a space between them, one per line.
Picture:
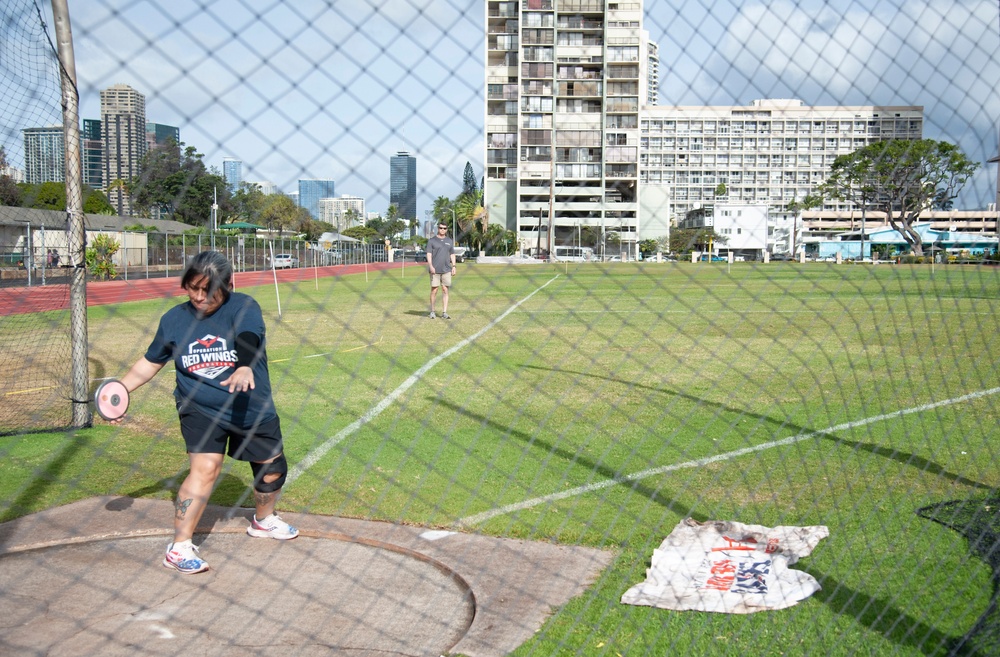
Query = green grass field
x=530 y=414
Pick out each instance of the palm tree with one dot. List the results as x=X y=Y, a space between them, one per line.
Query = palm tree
x=468 y=211
x=353 y=218
x=120 y=186
x=442 y=209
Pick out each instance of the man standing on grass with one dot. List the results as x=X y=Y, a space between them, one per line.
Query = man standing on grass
x=441 y=265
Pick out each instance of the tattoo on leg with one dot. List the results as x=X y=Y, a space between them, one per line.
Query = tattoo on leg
x=181 y=507
x=263 y=499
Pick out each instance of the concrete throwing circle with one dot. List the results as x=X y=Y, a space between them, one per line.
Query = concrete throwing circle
x=309 y=596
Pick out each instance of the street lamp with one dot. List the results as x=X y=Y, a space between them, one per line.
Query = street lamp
x=454 y=233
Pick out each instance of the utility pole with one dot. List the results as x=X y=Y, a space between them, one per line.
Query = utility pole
x=215 y=214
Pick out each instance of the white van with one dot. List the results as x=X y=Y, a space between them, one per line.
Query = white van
x=572 y=254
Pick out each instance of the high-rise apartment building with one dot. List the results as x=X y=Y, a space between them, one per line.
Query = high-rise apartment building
x=652 y=72
x=403 y=185
x=343 y=212
x=770 y=151
x=232 y=172
x=92 y=154
x=311 y=191
x=564 y=85
x=44 y=155
x=123 y=128
x=266 y=187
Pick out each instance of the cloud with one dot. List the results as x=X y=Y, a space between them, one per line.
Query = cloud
x=940 y=55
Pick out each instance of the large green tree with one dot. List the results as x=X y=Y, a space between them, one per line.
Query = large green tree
x=52 y=196
x=248 y=203
x=469 y=187
x=95 y=202
x=366 y=233
x=901 y=179
x=180 y=185
x=44 y=196
x=685 y=240
x=280 y=213
x=390 y=225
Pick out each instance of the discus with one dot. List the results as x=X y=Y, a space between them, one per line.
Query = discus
x=111 y=399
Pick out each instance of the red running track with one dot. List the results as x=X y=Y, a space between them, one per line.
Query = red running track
x=19 y=300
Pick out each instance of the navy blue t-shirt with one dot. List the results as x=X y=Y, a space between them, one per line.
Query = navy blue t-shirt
x=204 y=353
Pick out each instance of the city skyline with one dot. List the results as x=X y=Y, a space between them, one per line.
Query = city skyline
x=410 y=76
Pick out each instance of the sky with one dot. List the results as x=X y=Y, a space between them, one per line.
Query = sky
x=332 y=89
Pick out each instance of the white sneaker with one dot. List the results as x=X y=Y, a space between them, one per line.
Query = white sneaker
x=432 y=315
x=271 y=527
x=184 y=557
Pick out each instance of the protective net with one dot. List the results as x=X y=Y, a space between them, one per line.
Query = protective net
x=518 y=466
x=34 y=356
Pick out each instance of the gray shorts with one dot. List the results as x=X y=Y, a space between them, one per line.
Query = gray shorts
x=437 y=280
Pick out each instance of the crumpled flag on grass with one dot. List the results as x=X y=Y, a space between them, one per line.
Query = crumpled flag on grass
x=728 y=567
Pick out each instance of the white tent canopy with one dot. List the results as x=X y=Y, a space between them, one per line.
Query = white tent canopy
x=329 y=240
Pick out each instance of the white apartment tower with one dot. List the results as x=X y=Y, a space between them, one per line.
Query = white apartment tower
x=343 y=212
x=44 y=155
x=565 y=82
x=652 y=72
x=123 y=131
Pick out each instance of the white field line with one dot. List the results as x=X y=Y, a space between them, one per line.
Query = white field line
x=315 y=455
x=527 y=504
x=704 y=310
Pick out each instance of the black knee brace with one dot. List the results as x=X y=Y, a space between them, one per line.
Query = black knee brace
x=279 y=466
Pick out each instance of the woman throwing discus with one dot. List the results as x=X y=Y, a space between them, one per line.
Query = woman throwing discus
x=216 y=341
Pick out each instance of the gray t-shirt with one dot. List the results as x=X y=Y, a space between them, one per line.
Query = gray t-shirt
x=204 y=353
x=440 y=250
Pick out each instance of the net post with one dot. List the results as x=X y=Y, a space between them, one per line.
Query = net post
x=74 y=211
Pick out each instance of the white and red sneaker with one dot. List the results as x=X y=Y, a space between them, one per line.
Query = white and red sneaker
x=184 y=558
x=271 y=527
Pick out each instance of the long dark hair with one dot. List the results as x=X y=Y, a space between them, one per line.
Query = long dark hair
x=215 y=267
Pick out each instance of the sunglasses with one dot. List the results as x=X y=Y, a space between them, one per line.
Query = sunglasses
x=442 y=228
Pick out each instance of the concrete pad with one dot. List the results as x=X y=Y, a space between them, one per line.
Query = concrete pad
x=87 y=579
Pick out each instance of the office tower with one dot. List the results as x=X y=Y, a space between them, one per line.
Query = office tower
x=44 y=155
x=563 y=87
x=770 y=151
x=158 y=134
x=311 y=191
x=92 y=154
x=232 y=171
x=403 y=185
x=337 y=211
x=123 y=128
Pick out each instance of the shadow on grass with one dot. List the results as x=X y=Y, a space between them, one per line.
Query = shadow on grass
x=880 y=616
x=907 y=458
x=877 y=614
x=50 y=476
x=532 y=440
x=979 y=521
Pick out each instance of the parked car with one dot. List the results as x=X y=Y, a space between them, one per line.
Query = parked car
x=285 y=261
x=410 y=255
x=460 y=252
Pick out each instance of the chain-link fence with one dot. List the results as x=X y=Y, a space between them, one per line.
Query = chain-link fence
x=553 y=451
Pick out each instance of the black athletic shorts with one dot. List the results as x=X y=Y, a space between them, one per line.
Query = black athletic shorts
x=204 y=436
